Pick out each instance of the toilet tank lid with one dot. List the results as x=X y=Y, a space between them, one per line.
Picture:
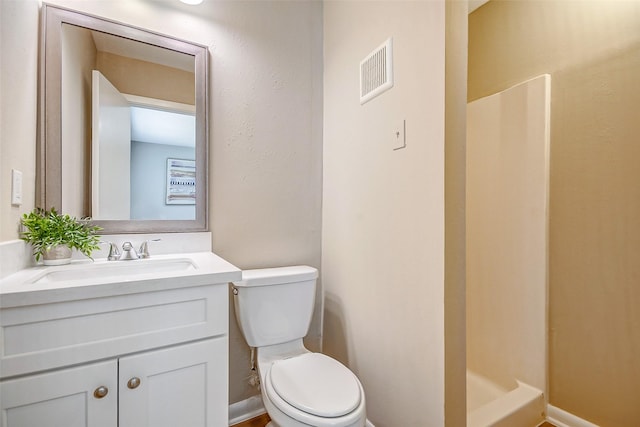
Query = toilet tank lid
x=275 y=276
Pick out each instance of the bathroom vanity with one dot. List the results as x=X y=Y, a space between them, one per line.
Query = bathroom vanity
x=106 y=344
x=116 y=343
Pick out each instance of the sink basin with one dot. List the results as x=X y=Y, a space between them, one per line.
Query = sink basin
x=105 y=270
x=84 y=279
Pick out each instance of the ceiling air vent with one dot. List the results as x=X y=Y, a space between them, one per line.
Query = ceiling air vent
x=376 y=72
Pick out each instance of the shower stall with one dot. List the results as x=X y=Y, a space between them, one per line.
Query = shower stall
x=507 y=255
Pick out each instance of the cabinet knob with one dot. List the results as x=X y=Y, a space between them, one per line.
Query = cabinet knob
x=100 y=392
x=133 y=383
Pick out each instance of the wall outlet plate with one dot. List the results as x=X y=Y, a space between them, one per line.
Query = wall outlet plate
x=399 y=135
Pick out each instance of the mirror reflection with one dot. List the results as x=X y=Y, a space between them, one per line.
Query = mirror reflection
x=142 y=103
x=123 y=125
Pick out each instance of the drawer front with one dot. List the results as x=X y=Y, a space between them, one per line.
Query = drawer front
x=40 y=337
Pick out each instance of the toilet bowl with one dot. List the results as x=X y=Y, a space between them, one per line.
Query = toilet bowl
x=309 y=389
x=299 y=388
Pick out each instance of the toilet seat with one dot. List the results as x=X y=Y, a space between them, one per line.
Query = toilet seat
x=316 y=384
x=313 y=387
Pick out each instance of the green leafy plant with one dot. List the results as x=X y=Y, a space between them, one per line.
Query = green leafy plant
x=45 y=229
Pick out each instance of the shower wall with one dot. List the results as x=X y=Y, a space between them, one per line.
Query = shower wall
x=592 y=51
x=507 y=203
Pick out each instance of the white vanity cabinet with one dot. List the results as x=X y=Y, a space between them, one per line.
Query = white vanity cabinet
x=62 y=398
x=176 y=386
x=147 y=353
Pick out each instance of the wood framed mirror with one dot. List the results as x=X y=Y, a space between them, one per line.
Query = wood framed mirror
x=133 y=160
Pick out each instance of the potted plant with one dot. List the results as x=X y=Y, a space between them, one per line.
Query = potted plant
x=53 y=235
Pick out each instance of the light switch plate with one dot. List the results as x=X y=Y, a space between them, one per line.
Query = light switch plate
x=16 y=187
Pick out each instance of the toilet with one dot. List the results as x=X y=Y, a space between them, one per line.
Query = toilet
x=299 y=388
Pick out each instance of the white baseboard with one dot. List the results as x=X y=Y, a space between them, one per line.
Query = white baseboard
x=369 y=424
x=245 y=410
x=562 y=418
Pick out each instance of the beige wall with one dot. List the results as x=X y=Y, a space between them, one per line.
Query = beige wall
x=592 y=51
x=18 y=107
x=456 y=36
x=135 y=77
x=265 y=126
x=383 y=210
x=78 y=59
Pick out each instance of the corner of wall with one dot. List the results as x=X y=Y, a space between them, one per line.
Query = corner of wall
x=456 y=22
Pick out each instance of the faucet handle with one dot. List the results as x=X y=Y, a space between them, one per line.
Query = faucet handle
x=143 y=252
x=114 y=252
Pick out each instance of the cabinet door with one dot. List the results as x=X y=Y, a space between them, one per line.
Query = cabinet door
x=62 y=398
x=182 y=386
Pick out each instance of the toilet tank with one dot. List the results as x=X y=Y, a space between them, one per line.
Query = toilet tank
x=275 y=305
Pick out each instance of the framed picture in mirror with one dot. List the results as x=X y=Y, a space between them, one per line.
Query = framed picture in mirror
x=181 y=182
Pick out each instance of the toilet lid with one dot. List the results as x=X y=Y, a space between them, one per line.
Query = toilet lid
x=316 y=384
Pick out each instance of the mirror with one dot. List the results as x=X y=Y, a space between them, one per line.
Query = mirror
x=123 y=125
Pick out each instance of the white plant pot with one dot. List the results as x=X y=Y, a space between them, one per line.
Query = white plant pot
x=57 y=255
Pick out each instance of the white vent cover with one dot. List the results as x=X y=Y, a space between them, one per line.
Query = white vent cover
x=376 y=72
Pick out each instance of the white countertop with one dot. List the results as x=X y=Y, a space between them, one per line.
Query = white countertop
x=24 y=287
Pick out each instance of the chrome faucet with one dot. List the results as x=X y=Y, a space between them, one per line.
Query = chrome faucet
x=128 y=251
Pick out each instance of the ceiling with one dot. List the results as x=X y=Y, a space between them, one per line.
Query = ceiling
x=474 y=4
x=162 y=127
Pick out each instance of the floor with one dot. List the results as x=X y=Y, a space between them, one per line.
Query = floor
x=260 y=421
